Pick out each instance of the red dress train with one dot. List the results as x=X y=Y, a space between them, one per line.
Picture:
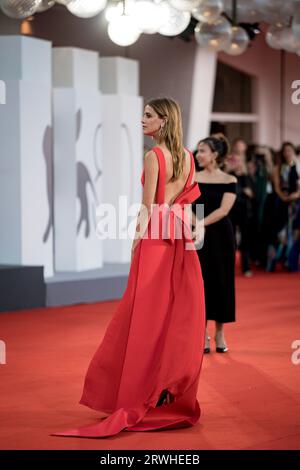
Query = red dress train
x=155 y=340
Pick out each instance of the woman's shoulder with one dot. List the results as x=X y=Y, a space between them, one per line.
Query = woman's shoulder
x=150 y=153
x=223 y=178
x=166 y=152
x=150 y=161
x=230 y=178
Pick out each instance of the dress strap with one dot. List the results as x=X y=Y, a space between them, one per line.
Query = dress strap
x=160 y=192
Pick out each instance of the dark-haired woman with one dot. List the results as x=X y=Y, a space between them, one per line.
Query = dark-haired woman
x=217 y=255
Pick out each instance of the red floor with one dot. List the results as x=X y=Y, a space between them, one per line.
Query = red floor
x=249 y=397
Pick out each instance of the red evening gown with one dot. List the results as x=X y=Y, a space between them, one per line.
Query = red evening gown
x=155 y=340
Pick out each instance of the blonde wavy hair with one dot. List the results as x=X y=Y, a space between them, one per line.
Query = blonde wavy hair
x=171 y=133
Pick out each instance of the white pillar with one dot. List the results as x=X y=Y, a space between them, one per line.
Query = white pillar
x=26 y=235
x=202 y=95
x=123 y=145
x=78 y=152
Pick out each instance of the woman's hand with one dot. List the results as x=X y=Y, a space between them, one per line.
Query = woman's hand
x=293 y=196
x=198 y=235
x=248 y=192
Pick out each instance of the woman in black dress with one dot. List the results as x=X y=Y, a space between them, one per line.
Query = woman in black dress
x=217 y=255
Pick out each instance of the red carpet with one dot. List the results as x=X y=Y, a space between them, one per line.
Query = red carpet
x=249 y=397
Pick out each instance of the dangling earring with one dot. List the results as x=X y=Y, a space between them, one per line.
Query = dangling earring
x=160 y=131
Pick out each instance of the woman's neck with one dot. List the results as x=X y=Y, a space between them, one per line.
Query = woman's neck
x=212 y=170
x=158 y=141
x=161 y=144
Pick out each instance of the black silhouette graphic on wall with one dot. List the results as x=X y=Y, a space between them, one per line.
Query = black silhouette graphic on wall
x=84 y=180
x=96 y=148
x=47 y=151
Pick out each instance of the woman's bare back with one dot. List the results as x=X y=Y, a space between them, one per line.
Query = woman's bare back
x=174 y=188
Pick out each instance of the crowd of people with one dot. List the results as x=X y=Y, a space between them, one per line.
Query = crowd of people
x=266 y=213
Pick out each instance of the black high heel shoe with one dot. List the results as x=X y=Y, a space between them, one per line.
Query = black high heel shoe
x=166 y=398
x=220 y=349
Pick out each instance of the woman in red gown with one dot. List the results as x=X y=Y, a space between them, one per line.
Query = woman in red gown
x=146 y=370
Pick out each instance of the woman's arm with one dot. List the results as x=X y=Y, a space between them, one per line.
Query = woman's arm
x=194 y=173
x=149 y=190
x=218 y=214
x=294 y=196
x=276 y=182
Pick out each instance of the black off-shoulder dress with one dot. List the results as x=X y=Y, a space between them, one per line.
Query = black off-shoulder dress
x=217 y=256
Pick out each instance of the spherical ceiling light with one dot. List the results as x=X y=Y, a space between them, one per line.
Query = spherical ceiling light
x=280 y=36
x=290 y=41
x=45 y=5
x=208 y=10
x=112 y=11
x=147 y=16
x=215 y=36
x=274 y=35
x=185 y=5
x=175 y=21
x=123 y=30
x=239 y=41
x=19 y=9
x=86 y=8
